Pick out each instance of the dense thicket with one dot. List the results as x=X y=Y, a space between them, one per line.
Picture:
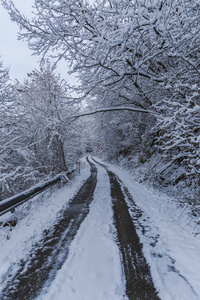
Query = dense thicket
x=142 y=54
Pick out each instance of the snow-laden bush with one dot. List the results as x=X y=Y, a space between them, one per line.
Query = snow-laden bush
x=178 y=139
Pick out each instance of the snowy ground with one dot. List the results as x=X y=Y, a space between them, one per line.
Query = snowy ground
x=93 y=268
x=170 y=245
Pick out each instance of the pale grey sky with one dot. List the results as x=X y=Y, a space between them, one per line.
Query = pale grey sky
x=14 y=53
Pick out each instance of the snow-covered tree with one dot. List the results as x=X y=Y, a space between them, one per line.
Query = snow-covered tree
x=110 y=44
x=37 y=135
x=8 y=123
x=5 y=86
x=128 y=47
x=42 y=97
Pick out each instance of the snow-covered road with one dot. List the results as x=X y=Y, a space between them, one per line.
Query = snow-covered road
x=98 y=263
x=93 y=269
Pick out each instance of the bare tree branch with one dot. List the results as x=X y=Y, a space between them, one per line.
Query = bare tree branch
x=133 y=109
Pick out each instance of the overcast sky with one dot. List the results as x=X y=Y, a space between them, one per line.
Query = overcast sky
x=15 y=54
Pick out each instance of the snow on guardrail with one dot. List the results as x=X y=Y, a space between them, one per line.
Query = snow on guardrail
x=16 y=200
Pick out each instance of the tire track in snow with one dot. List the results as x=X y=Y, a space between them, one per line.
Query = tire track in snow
x=139 y=284
x=51 y=252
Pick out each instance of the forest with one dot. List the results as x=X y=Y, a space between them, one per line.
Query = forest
x=137 y=101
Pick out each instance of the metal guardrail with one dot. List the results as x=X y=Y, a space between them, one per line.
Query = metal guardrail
x=14 y=201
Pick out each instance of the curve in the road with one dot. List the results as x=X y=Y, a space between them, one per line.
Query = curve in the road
x=51 y=252
x=139 y=283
